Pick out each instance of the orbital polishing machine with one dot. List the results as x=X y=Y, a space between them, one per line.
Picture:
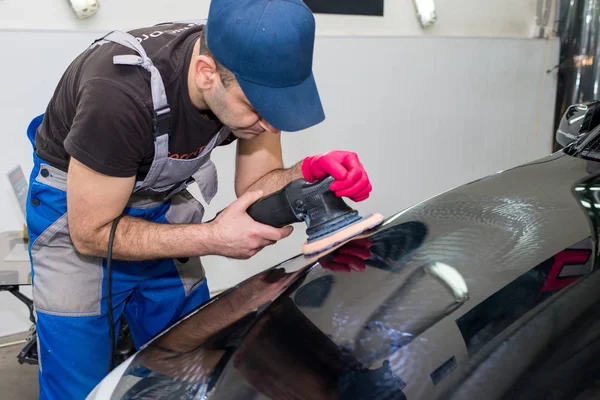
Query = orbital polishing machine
x=329 y=220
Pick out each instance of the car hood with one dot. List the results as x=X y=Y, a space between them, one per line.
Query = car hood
x=488 y=287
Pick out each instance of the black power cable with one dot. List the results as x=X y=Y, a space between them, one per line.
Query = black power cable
x=111 y=322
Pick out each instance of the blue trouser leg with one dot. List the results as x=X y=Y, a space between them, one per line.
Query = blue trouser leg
x=70 y=292
x=74 y=351
x=157 y=301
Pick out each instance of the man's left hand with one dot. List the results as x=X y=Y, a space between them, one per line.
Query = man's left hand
x=351 y=179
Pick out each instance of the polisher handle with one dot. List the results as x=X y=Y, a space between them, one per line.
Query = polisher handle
x=311 y=202
x=274 y=210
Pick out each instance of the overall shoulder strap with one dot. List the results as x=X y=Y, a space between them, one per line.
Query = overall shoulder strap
x=186 y=21
x=162 y=112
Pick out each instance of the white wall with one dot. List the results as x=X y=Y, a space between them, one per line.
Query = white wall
x=514 y=18
x=425 y=114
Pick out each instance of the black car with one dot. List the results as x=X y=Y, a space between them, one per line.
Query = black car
x=487 y=291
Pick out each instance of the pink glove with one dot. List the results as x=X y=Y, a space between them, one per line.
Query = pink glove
x=351 y=179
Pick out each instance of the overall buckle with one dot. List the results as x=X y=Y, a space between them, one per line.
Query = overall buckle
x=161 y=121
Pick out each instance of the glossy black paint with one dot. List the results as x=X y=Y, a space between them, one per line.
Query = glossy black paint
x=487 y=291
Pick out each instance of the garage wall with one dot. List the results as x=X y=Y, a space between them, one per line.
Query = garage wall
x=512 y=18
x=425 y=114
x=430 y=114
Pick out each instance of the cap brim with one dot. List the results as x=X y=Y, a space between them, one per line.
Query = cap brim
x=291 y=108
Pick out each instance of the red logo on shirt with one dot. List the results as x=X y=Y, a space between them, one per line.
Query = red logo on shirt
x=187 y=156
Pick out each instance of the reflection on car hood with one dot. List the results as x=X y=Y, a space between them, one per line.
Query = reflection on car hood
x=488 y=288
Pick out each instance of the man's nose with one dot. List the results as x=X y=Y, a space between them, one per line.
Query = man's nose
x=268 y=127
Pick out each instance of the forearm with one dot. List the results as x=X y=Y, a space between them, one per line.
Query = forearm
x=277 y=179
x=138 y=240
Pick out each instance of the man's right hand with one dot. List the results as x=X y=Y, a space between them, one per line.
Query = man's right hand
x=236 y=235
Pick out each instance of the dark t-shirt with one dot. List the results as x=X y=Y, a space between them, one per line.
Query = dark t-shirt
x=101 y=113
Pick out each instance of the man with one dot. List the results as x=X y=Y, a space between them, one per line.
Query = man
x=131 y=124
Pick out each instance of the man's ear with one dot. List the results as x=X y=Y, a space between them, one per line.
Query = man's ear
x=205 y=72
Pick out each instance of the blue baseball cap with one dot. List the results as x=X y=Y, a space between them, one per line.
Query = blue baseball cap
x=268 y=46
